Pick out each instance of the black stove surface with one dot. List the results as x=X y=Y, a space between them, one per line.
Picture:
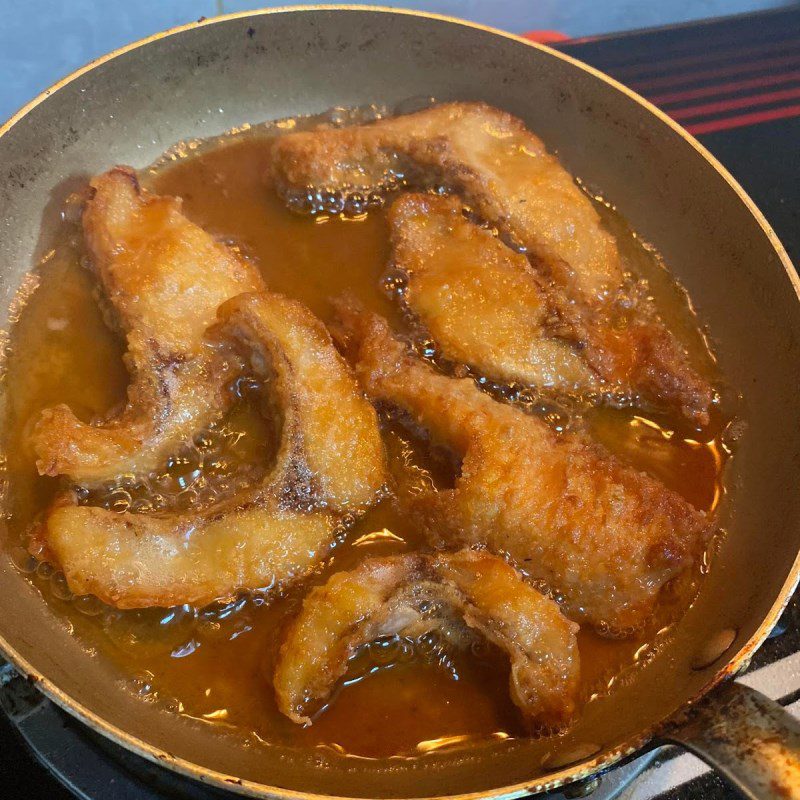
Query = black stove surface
x=734 y=83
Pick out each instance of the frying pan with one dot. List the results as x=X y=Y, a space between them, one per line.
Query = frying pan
x=205 y=78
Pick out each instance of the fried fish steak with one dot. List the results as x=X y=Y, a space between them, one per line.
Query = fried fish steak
x=451 y=593
x=505 y=174
x=163 y=279
x=480 y=301
x=599 y=534
x=330 y=461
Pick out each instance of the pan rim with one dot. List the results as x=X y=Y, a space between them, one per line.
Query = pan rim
x=554 y=780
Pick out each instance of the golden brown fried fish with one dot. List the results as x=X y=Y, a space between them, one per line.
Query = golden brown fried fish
x=505 y=173
x=599 y=534
x=479 y=300
x=164 y=279
x=413 y=594
x=330 y=461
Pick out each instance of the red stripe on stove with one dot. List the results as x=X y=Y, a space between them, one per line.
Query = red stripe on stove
x=733 y=103
x=546 y=37
x=719 y=72
x=711 y=55
x=673 y=48
x=742 y=120
x=723 y=88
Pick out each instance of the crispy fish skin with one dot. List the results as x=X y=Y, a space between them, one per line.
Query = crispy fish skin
x=479 y=300
x=504 y=172
x=164 y=279
x=394 y=595
x=330 y=461
x=139 y=561
x=601 y=535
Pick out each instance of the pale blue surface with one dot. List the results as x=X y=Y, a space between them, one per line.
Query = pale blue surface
x=43 y=40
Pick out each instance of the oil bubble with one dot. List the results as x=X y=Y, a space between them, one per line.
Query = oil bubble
x=142 y=684
x=23 y=560
x=88 y=604
x=59 y=587
x=118 y=501
x=44 y=569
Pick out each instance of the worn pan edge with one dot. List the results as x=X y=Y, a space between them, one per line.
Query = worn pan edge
x=556 y=779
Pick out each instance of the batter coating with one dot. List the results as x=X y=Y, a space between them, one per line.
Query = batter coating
x=330 y=461
x=164 y=279
x=505 y=174
x=480 y=301
x=600 y=535
x=413 y=594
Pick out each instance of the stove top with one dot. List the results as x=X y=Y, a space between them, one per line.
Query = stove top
x=735 y=84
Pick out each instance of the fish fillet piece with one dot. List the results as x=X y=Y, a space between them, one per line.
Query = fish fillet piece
x=600 y=535
x=163 y=278
x=409 y=595
x=479 y=300
x=504 y=172
x=330 y=461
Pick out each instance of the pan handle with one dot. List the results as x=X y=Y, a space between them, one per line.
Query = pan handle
x=746 y=737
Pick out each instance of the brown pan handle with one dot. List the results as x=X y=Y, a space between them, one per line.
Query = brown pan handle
x=746 y=737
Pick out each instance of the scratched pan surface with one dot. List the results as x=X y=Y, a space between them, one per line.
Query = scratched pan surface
x=207 y=78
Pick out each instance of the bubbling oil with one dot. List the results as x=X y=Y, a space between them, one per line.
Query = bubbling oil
x=220 y=460
x=214 y=664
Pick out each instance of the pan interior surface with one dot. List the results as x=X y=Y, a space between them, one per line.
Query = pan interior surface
x=210 y=78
